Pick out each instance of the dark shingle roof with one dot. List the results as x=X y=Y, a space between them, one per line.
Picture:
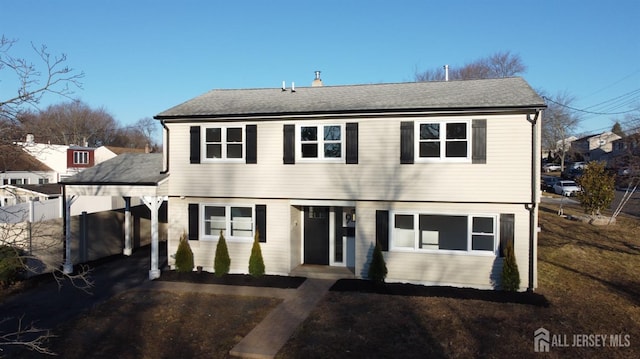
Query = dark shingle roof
x=473 y=94
x=14 y=158
x=127 y=168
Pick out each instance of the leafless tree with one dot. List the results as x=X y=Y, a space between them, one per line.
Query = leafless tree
x=559 y=122
x=498 y=65
x=33 y=81
x=71 y=123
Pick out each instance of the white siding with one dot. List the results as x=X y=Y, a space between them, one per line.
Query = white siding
x=463 y=269
x=275 y=252
x=506 y=177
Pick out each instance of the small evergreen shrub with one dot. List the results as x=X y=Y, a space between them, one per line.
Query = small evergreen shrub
x=598 y=188
x=256 y=263
x=377 y=268
x=10 y=265
x=184 y=256
x=510 y=273
x=221 y=262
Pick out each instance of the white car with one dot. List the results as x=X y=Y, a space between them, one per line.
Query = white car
x=550 y=167
x=566 y=188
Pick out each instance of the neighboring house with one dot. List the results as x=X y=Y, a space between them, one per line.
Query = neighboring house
x=626 y=153
x=30 y=202
x=323 y=173
x=104 y=153
x=595 y=147
x=63 y=159
x=18 y=167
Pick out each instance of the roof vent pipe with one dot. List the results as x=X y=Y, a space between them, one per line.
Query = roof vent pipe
x=284 y=87
x=293 y=87
x=446 y=72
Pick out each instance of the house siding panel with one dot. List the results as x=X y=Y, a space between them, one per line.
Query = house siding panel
x=506 y=176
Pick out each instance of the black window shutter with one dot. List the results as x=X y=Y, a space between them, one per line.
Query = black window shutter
x=289 y=156
x=194 y=132
x=193 y=222
x=352 y=143
x=479 y=141
x=406 y=142
x=261 y=222
x=506 y=231
x=382 y=229
x=252 y=143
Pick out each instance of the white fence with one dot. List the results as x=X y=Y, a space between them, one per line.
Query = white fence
x=32 y=211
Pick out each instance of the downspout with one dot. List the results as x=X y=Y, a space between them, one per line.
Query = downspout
x=165 y=147
x=532 y=206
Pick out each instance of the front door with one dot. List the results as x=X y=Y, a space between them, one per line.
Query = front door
x=316 y=235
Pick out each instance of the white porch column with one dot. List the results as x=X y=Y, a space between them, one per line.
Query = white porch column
x=154 y=202
x=67 y=267
x=128 y=247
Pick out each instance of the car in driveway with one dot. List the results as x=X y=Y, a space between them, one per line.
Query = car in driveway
x=551 y=167
x=566 y=188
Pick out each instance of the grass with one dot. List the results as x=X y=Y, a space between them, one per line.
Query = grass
x=589 y=276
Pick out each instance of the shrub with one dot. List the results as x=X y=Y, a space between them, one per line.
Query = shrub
x=510 y=273
x=221 y=262
x=598 y=188
x=10 y=265
x=256 y=264
x=184 y=255
x=377 y=268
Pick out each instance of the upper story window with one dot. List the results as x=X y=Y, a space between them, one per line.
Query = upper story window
x=80 y=157
x=322 y=142
x=224 y=143
x=466 y=233
x=443 y=140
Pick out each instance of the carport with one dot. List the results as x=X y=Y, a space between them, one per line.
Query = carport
x=127 y=175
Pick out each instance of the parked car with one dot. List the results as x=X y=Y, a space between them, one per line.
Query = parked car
x=566 y=188
x=547 y=182
x=571 y=173
x=551 y=167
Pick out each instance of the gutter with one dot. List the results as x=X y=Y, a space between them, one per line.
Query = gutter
x=532 y=207
x=165 y=148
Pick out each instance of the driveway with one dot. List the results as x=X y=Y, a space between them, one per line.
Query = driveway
x=47 y=305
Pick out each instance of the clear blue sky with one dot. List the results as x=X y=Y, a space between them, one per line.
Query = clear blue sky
x=142 y=57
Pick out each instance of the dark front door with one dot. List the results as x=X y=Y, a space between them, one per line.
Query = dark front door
x=316 y=235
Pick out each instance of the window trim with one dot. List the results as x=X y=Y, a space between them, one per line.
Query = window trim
x=77 y=157
x=227 y=230
x=469 y=251
x=223 y=142
x=443 y=141
x=320 y=142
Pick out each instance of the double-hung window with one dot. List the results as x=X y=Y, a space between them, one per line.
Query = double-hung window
x=235 y=222
x=321 y=142
x=424 y=232
x=224 y=143
x=80 y=157
x=443 y=140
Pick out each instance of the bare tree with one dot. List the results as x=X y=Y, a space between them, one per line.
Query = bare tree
x=560 y=121
x=50 y=76
x=71 y=123
x=498 y=65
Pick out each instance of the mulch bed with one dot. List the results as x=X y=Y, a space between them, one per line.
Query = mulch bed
x=415 y=290
x=272 y=281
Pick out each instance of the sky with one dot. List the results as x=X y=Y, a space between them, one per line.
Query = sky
x=140 y=58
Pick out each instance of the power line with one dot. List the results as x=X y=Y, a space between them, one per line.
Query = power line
x=586 y=111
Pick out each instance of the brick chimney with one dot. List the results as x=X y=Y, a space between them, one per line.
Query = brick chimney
x=317 y=82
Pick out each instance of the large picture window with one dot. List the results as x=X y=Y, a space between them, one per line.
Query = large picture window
x=235 y=222
x=442 y=140
x=323 y=142
x=224 y=143
x=468 y=233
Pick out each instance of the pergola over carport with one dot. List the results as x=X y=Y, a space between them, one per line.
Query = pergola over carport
x=127 y=175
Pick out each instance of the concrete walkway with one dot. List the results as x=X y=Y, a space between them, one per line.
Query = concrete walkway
x=266 y=339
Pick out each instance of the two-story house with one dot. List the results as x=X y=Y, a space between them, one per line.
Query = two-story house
x=441 y=174
x=595 y=147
